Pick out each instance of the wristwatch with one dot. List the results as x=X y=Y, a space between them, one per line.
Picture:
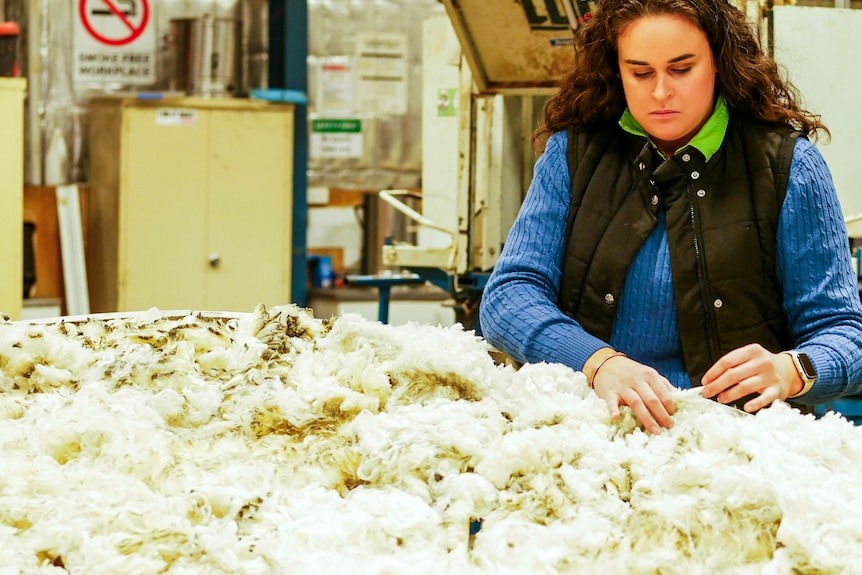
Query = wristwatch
x=805 y=369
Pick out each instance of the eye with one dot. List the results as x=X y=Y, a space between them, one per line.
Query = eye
x=681 y=71
x=642 y=74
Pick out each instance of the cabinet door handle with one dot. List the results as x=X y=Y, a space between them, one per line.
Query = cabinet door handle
x=215 y=260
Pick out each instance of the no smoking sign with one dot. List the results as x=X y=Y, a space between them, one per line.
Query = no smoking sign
x=115 y=42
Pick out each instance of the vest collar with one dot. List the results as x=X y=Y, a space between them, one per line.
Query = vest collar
x=707 y=141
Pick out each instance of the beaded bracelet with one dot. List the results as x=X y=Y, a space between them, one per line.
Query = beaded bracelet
x=601 y=363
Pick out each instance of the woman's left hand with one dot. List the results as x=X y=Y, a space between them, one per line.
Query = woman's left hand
x=752 y=369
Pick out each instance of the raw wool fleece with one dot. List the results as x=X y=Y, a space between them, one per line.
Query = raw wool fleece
x=275 y=442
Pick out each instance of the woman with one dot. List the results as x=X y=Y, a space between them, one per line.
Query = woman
x=681 y=229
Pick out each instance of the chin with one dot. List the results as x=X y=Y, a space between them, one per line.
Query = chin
x=667 y=140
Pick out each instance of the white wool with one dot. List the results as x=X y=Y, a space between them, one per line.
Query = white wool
x=465 y=497
x=37 y=358
x=16 y=557
x=375 y=531
x=423 y=441
x=12 y=407
x=202 y=403
x=516 y=545
x=169 y=404
x=46 y=377
x=456 y=362
x=358 y=371
x=217 y=360
x=544 y=394
x=275 y=442
x=351 y=332
x=96 y=426
x=325 y=397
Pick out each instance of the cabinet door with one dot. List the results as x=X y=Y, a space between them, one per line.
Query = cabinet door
x=162 y=259
x=249 y=223
x=11 y=196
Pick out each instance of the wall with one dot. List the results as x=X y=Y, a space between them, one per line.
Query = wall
x=365 y=74
x=56 y=102
x=824 y=70
x=365 y=113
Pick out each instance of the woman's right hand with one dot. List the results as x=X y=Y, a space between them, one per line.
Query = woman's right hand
x=623 y=381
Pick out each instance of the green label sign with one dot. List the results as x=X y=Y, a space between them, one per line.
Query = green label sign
x=332 y=126
x=447 y=101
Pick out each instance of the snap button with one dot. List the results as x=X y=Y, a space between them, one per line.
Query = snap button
x=718 y=303
x=654 y=200
x=695 y=175
x=701 y=193
x=609 y=298
x=685 y=157
x=641 y=166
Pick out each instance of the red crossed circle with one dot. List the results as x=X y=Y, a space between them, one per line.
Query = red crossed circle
x=134 y=31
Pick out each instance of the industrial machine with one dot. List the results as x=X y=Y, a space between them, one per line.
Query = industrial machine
x=477 y=161
x=500 y=59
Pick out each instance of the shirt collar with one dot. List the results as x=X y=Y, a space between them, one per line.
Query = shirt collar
x=706 y=141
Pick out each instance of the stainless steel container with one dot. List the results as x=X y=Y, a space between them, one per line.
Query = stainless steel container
x=208 y=56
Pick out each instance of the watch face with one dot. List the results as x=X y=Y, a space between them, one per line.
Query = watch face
x=807 y=366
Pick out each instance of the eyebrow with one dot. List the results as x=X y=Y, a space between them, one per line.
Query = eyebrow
x=671 y=61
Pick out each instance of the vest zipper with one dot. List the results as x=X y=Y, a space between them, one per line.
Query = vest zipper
x=698 y=264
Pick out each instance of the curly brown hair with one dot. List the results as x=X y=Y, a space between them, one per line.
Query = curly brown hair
x=591 y=95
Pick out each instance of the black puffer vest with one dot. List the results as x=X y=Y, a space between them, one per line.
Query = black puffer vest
x=721 y=219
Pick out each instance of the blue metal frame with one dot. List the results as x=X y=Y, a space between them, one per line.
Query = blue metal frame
x=288 y=69
x=466 y=290
x=384 y=285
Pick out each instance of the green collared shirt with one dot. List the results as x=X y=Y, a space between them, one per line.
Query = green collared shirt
x=707 y=140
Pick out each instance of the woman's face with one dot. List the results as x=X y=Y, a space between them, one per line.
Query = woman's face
x=668 y=76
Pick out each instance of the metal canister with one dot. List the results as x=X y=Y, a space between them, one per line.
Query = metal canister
x=208 y=56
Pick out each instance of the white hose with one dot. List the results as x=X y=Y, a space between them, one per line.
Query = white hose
x=389 y=197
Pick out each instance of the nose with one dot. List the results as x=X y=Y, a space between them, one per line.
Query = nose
x=662 y=88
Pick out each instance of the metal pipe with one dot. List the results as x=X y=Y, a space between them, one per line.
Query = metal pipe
x=389 y=197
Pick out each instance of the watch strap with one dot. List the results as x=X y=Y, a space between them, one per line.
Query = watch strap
x=808 y=379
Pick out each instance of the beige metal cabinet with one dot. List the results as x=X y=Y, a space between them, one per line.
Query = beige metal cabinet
x=191 y=204
x=12 y=195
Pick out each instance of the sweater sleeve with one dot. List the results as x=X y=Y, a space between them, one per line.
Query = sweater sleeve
x=821 y=294
x=518 y=312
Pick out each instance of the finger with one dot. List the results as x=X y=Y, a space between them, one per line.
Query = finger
x=668 y=403
x=725 y=386
x=724 y=363
x=719 y=386
x=660 y=412
x=732 y=393
x=613 y=401
x=663 y=391
x=765 y=399
x=643 y=411
x=729 y=361
x=743 y=388
x=666 y=386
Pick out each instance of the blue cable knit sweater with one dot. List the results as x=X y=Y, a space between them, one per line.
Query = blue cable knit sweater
x=519 y=315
